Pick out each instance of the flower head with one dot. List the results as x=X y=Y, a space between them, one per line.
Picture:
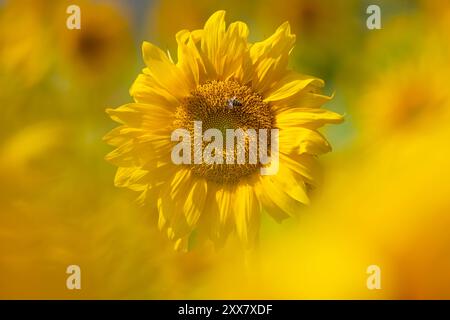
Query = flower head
x=99 y=50
x=223 y=82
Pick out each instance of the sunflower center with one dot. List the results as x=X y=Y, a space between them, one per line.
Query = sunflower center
x=226 y=106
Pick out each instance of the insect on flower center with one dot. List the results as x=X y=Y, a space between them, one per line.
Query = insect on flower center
x=225 y=105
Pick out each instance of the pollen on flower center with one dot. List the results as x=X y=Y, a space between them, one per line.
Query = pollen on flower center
x=225 y=105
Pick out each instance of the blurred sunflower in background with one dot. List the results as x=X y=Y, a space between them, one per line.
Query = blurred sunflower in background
x=401 y=92
x=100 y=50
x=216 y=64
x=406 y=99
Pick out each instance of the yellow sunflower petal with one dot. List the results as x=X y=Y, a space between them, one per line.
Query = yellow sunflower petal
x=132 y=177
x=246 y=213
x=175 y=190
x=291 y=85
x=226 y=50
x=303 y=140
x=189 y=59
x=224 y=202
x=292 y=184
x=168 y=75
x=131 y=154
x=145 y=89
x=304 y=164
x=306 y=100
x=121 y=135
x=143 y=116
x=218 y=222
x=212 y=41
x=270 y=58
x=279 y=197
x=138 y=147
x=195 y=202
x=269 y=206
x=311 y=118
x=237 y=63
x=182 y=202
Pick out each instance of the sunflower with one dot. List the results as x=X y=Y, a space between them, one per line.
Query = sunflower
x=100 y=49
x=406 y=97
x=225 y=82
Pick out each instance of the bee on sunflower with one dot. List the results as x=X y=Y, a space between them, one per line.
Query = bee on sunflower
x=225 y=82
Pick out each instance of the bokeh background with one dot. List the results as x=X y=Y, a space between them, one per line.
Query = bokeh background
x=385 y=196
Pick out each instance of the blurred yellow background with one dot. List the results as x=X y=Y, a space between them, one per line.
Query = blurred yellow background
x=385 y=196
